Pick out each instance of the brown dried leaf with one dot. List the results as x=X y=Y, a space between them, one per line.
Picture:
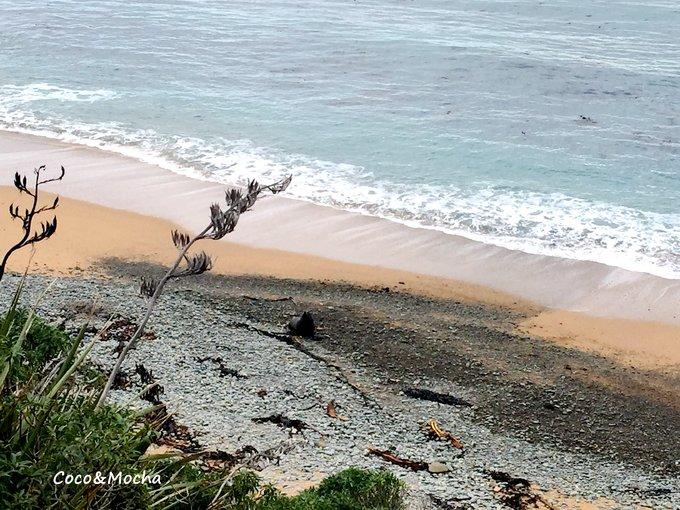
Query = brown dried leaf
x=433 y=429
x=333 y=412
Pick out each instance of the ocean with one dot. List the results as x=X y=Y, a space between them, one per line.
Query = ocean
x=548 y=127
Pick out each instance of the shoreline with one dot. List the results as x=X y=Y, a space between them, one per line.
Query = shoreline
x=191 y=173
x=588 y=306
x=301 y=227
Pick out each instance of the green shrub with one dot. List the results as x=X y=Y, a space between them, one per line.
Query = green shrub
x=39 y=440
x=351 y=489
x=43 y=343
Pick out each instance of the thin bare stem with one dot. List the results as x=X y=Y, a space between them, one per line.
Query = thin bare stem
x=149 y=309
x=47 y=228
x=222 y=222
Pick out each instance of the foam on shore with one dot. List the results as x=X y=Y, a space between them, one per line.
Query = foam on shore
x=116 y=181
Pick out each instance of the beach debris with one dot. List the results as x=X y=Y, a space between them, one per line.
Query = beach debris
x=295 y=425
x=224 y=370
x=303 y=325
x=437 y=468
x=433 y=396
x=517 y=493
x=260 y=460
x=153 y=391
x=218 y=459
x=208 y=460
x=122 y=380
x=173 y=435
x=434 y=431
x=332 y=411
x=652 y=491
x=121 y=330
x=387 y=455
x=145 y=375
x=181 y=438
x=269 y=300
x=458 y=503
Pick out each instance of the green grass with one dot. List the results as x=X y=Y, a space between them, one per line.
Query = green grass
x=43 y=343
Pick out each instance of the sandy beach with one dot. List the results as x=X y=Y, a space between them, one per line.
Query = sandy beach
x=579 y=304
x=396 y=307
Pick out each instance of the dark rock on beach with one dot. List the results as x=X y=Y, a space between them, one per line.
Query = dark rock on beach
x=303 y=325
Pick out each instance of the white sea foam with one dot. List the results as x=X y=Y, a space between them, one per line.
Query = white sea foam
x=19 y=94
x=552 y=224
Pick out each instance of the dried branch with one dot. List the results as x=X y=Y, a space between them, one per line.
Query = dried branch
x=180 y=240
x=223 y=220
x=194 y=265
x=148 y=287
x=27 y=216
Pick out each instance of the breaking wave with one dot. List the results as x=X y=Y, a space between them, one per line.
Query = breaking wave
x=550 y=224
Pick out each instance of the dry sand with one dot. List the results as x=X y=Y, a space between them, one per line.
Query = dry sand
x=633 y=317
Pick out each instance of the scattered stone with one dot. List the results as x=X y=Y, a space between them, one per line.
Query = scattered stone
x=219 y=413
x=438 y=467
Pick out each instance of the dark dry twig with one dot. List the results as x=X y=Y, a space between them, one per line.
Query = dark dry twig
x=434 y=396
x=414 y=465
x=47 y=228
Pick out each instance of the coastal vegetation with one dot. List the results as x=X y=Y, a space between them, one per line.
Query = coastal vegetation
x=64 y=444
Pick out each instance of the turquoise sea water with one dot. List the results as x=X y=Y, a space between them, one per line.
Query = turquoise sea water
x=550 y=127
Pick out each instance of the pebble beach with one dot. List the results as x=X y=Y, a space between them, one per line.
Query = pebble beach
x=204 y=321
